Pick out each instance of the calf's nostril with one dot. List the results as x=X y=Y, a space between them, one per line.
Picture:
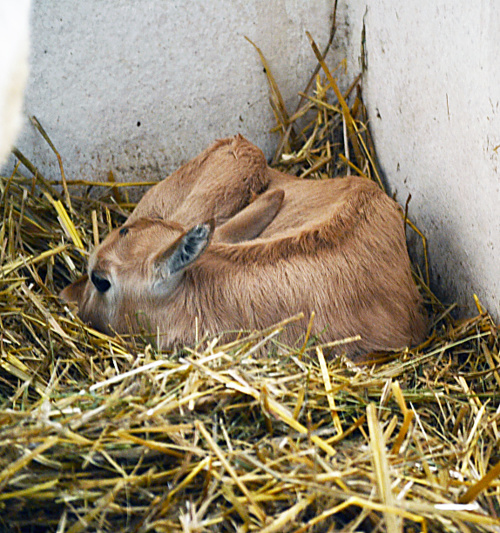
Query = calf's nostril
x=100 y=282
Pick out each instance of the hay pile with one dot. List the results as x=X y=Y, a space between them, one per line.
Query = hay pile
x=106 y=434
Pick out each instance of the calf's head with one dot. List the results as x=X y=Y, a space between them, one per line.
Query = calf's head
x=135 y=265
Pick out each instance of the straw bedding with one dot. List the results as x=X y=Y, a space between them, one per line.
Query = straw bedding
x=106 y=434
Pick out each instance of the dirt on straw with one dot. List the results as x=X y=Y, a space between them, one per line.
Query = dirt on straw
x=108 y=434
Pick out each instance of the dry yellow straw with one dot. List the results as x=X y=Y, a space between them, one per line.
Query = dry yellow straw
x=329 y=392
x=66 y=222
x=218 y=452
x=481 y=485
x=381 y=467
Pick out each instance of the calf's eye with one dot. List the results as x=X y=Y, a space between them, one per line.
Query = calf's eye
x=123 y=231
x=100 y=282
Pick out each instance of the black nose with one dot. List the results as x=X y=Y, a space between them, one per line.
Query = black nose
x=100 y=282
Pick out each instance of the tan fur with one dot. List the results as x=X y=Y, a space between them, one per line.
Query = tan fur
x=216 y=184
x=253 y=220
x=335 y=247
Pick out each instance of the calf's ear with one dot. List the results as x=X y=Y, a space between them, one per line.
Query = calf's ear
x=187 y=249
x=74 y=293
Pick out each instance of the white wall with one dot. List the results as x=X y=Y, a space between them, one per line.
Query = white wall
x=14 y=33
x=432 y=88
x=139 y=87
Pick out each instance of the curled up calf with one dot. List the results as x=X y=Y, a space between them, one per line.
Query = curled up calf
x=277 y=247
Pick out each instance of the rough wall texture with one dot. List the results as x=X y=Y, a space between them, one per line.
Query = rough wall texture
x=14 y=46
x=140 y=87
x=432 y=87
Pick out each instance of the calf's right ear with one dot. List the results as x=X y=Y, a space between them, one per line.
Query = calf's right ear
x=186 y=250
x=74 y=293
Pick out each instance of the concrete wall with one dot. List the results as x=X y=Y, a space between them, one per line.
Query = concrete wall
x=14 y=46
x=432 y=88
x=139 y=87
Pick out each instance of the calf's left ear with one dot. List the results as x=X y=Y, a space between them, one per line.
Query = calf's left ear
x=188 y=248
